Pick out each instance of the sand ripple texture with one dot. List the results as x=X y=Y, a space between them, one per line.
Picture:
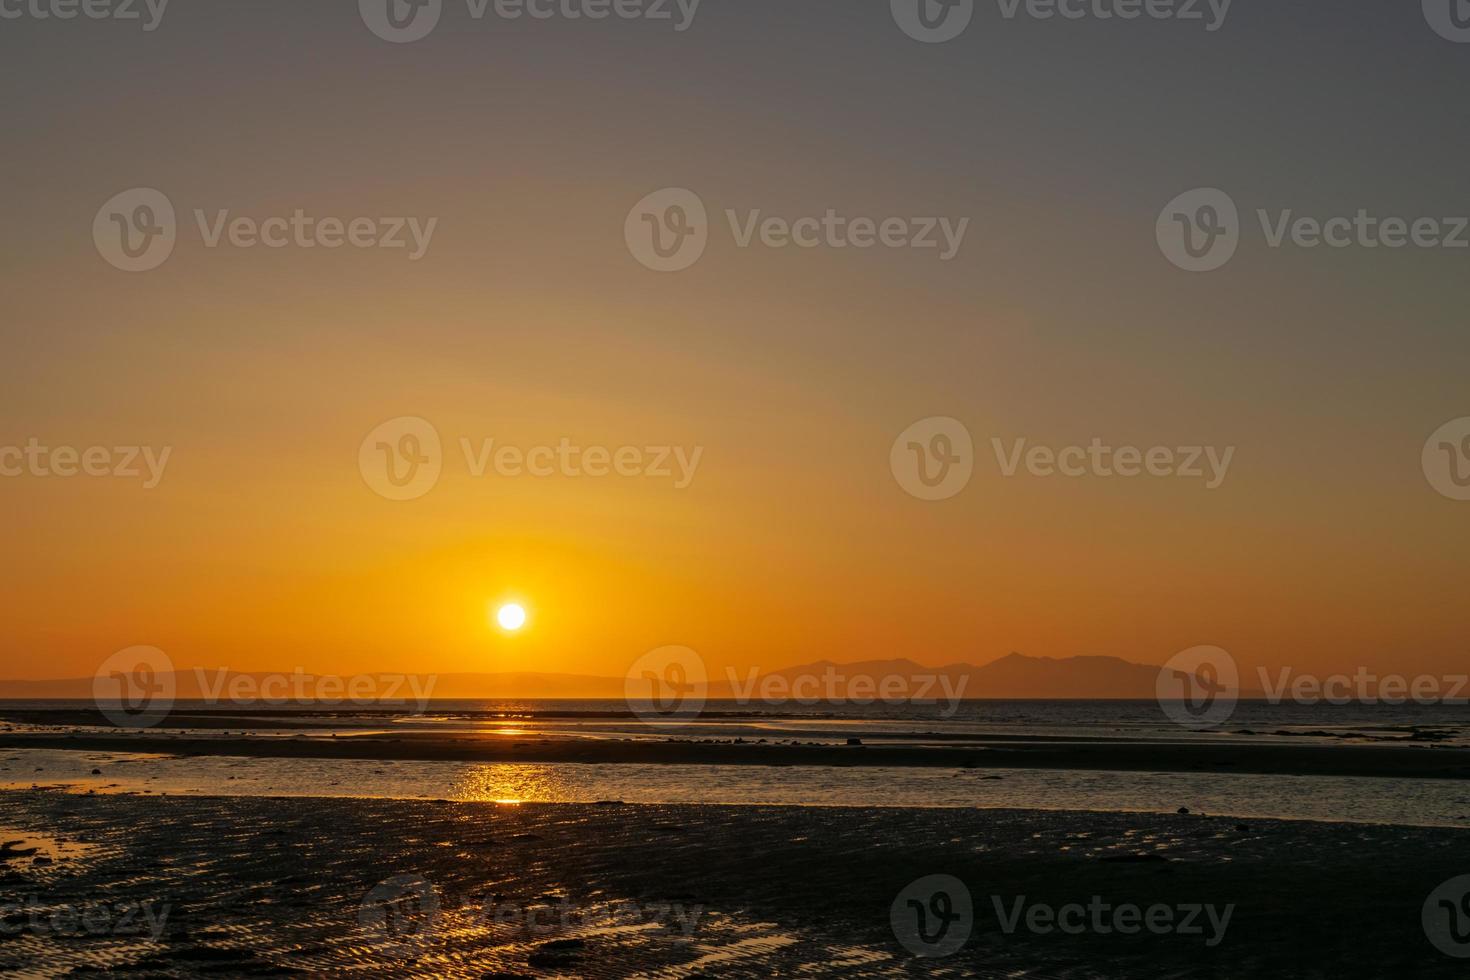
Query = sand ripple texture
x=373 y=888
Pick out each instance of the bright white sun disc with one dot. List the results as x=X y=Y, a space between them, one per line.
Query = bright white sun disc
x=511 y=617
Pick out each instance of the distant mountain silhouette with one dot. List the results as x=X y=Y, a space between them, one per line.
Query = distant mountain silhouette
x=1012 y=676
x=1015 y=676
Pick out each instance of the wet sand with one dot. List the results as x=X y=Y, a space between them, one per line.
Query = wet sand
x=1416 y=761
x=251 y=887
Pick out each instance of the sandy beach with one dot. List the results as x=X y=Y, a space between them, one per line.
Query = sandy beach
x=255 y=887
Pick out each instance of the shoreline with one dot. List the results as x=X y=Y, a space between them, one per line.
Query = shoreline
x=1371 y=761
x=74 y=790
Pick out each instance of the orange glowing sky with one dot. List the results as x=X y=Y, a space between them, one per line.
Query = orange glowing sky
x=529 y=322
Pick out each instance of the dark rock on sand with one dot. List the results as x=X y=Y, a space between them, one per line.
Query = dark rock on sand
x=557 y=953
x=12 y=849
x=1132 y=858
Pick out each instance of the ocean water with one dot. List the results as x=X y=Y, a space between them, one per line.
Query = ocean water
x=1374 y=800
x=1132 y=720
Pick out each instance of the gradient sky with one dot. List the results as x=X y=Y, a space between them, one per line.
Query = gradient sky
x=528 y=321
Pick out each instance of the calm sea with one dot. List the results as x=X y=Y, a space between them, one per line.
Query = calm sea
x=1399 y=801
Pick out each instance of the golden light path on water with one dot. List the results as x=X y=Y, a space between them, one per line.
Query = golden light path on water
x=513 y=783
x=1411 y=802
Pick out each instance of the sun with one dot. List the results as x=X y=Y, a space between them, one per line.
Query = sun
x=511 y=617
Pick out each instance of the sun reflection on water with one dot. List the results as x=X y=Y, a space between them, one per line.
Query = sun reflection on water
x=512 y=782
